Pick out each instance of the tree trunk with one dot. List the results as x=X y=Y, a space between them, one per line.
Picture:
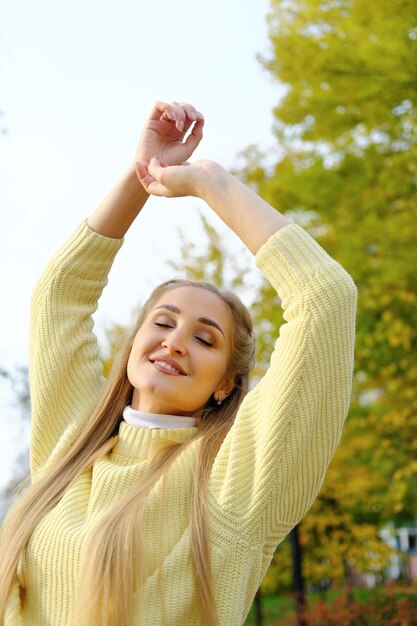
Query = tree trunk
x=298 y=582
x=259 y=618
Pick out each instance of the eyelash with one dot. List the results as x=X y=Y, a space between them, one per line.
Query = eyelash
x=203 y=341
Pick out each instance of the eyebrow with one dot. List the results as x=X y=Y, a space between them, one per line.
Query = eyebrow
x=203 y=320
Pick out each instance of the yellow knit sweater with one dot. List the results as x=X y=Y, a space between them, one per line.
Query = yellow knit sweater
x=266 y=475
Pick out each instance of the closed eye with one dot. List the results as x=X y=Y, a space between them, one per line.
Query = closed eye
x=203 y=341
x=206 y=343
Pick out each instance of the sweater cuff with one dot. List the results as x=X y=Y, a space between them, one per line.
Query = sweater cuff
x=290 y=257
x=87 y=254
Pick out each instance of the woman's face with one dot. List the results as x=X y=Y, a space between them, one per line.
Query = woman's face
x=180 y=354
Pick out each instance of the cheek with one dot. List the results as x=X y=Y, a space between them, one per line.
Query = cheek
x=129 y=369
x=133 y=360
x=144 y=344
x=140 y=344
x=214 y=370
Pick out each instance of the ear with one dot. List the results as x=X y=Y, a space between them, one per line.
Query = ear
x=225 y=386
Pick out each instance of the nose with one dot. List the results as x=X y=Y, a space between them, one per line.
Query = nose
x=174 y=342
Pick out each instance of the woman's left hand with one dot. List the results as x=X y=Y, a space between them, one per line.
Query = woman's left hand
x=160 y=179
x=164 y=131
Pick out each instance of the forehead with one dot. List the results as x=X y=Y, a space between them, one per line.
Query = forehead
x=198 y=302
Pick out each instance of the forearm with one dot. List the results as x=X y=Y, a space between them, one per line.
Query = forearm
x=120 y=207
x=251 y=218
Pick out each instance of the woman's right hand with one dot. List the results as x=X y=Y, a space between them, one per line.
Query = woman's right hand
x=164 y=131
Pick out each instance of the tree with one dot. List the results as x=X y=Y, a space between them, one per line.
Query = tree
x=345 y=165
x=330 y=534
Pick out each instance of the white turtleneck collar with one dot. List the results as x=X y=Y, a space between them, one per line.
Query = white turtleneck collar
x=156 y=420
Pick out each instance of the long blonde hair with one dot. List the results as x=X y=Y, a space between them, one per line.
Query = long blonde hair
x=110 y=568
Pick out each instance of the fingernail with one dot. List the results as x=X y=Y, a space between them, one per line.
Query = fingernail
x=180 y=125
x=193 y=116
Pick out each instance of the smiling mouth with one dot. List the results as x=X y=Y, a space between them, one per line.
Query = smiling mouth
x=167 y=368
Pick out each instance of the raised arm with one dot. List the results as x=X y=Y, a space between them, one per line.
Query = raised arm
x=163 y=136
x=65 y=369
x=273 y=461
x=251 y=218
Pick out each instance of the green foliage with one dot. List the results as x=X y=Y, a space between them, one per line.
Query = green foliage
x=350 y=67
x=345 y=168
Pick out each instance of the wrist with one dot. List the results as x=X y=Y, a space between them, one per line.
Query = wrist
x=212 y=177
x=115 y=214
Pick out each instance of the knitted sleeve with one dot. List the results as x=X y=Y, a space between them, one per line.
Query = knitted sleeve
x=64 y=366
x=273 y=461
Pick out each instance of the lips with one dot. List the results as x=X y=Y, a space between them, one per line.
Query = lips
x=170 y=362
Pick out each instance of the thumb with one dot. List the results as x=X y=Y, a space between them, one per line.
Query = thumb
x=155 y=167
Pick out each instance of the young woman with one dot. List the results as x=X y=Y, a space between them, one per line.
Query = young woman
x=159 y=497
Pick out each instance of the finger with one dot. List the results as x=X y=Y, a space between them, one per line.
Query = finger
x=161 y=108
x=165 y=176
x=141 y=169
x=142 y=173
x=191 y=112
x=160 y=171
x=180 y=115
x=155 y=169
x=192 y=115
x=169 y=113
x=148 y=182
x=156 y=189
x=177 y=112
x=195 y=136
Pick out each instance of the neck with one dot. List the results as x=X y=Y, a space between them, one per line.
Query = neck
x=143 y=419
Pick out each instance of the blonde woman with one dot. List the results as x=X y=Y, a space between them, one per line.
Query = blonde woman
x=158 y=498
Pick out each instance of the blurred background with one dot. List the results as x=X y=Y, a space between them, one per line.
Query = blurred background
x=312 y=103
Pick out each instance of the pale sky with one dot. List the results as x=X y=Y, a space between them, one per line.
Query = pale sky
x=77 y=81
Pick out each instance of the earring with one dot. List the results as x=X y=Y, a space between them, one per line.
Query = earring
x=219 y=401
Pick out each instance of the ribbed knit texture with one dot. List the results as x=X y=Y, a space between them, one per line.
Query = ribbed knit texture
x=266 y=475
